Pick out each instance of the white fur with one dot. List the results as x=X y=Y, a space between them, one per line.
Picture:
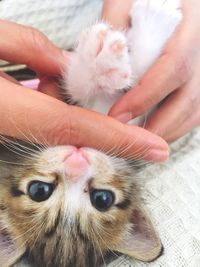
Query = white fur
x=101 y=65
x=153 y=22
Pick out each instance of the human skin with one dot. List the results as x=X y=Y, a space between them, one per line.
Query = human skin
x=174 y=79
x=36 y=116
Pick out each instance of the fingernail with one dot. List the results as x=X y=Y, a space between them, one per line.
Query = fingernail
x=124 y=117
x=158 y=155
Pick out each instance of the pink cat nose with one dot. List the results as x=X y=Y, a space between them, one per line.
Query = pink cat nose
x=76 y=164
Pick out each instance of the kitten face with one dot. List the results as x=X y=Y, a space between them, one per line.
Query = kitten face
x=62 y=215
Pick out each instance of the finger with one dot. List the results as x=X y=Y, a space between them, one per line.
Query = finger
x=8 y=77
x=112 y=9
x=169 y=72
x=176 y=109
x=29 y=113
x=49 y=86
x=186 y=127
x=25 y=45
x=172 y=113
x=159 y=82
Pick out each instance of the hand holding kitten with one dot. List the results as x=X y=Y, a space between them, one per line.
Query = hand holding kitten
x=27 y=114
x=174 y=79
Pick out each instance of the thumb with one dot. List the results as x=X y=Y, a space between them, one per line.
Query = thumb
x=31 y=115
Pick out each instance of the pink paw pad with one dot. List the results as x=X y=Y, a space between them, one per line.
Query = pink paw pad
x=125 y=75
x=117 y=47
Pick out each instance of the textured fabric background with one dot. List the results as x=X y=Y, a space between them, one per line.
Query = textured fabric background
x=60 y=20
x=172 y=190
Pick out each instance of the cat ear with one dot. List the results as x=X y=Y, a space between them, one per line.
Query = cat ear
x=141 y=242
x=9 y=251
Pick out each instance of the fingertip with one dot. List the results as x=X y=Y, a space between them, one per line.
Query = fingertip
x=119 y=110
x=163 y=154
x=158 y=156
x=159 y=150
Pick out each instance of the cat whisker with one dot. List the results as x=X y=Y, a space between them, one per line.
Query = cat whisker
x=18 y=150
x=44 y=144
x=16 y=143
x=139 y=154
x=25 y=233
x=15 y=163
x=10 y=148
x=92 y=239
x=121 y=149
x=32 y=137
x=38 y=235
x=103 y=230
x=92 y=230
x=25 y=135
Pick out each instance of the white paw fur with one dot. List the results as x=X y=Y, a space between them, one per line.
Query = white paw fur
x=100 y=64
x=153 y=22
x=107 y=61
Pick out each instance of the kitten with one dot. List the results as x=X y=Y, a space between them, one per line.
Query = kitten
x=65 y=206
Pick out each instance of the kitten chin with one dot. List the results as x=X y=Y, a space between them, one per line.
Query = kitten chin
x=59 y=217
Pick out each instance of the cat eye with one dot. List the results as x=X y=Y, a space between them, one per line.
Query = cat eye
x=40 y=191
x=102 y=200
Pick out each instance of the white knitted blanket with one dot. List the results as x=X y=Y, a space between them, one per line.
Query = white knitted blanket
x=172 y=190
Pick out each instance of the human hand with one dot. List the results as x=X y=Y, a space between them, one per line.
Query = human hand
x=32 y=115
x=174 y=79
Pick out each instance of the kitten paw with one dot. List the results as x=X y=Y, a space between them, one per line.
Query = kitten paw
x=99 y=64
